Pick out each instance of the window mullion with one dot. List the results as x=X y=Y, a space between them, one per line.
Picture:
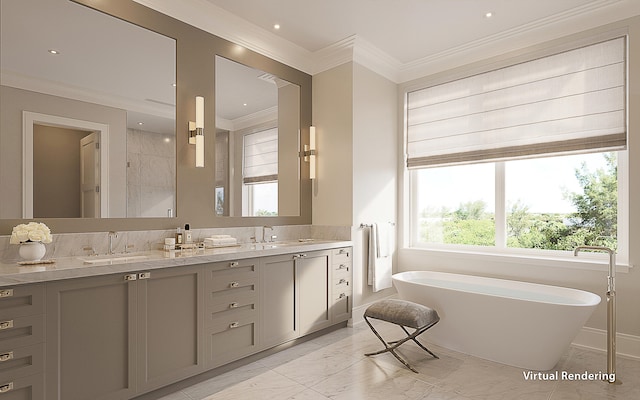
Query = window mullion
x=501 y=207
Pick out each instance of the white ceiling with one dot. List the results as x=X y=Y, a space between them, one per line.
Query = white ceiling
x=410 y=38
x=406 y=30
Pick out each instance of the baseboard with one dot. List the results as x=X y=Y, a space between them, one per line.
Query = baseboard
x=596 y=339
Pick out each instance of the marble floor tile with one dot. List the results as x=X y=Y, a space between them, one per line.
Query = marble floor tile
x=269 y=385
x=370 y=381
x=334 y=367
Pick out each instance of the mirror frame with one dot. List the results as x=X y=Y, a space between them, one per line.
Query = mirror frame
x=195 y=63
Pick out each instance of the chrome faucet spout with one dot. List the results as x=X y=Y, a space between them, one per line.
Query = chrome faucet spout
x=112 y=234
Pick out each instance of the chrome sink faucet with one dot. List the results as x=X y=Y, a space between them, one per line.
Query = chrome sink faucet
x=264 y=234
x=112 y=235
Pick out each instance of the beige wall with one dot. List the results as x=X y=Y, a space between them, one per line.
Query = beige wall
x=288 y=148
x=355 y=114
x=628 y=283
x=332 y=192
x=14 y=101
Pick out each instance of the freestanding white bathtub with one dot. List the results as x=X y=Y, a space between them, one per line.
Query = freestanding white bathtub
x=522 y=324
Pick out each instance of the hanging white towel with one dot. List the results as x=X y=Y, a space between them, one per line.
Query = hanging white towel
x=380 y=260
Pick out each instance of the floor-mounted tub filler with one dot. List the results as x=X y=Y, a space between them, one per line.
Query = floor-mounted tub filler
x=522 y=324
x=611 y=309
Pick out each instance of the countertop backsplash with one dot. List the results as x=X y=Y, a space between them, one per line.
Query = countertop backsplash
x=85 y=244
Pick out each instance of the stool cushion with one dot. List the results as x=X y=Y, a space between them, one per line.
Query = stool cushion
x=402 y=312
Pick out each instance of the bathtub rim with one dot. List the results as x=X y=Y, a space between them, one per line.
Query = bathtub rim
x=583 y=298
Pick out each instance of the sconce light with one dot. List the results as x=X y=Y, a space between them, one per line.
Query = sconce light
x=310 y=152
x=196 y=132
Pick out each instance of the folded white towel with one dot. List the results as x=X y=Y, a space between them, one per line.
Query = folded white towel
x=220 y=236
x=220 y=242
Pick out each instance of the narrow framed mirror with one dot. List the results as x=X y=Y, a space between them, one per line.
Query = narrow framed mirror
x=257 y=142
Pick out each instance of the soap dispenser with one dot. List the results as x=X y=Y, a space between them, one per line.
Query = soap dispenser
x=187 y=234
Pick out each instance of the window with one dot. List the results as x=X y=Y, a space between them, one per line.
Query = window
x=549 y=203
x=527 y=158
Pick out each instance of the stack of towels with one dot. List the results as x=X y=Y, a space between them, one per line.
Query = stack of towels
x=220 y=241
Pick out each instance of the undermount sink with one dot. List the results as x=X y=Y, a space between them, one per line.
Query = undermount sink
x=111 y=259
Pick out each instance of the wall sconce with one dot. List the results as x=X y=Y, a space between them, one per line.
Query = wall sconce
x=310 y=152
x=196 y=132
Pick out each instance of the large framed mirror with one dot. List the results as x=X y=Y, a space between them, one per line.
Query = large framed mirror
x=257 y=142
x=182 y=55
x=88 y=103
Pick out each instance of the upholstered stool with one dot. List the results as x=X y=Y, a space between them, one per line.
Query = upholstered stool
x=405 y=314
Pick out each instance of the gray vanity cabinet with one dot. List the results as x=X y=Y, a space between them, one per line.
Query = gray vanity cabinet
x=22 y=342
x=231 y=311
x=278 y=299
x=168 y=326
x=295 y=296
x=312 y=285
x=115 y=336
x=91 y=338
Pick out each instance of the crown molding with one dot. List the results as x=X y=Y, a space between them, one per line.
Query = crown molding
x=204 y=15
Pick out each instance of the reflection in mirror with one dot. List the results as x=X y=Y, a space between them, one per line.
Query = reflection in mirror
x=257 y=142
x=88 y=114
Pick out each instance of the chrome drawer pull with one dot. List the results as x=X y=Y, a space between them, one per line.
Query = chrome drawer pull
x=234 y=284
x=6 y=324
x=6 y=387
x=233 y=264
x=144 y=275
x=234 y=325
x=6 y=293
x=344 y=251
x=342 y=266
x=342 y=296
x=233 y=305
x=341 y=281
x=6 y=356
x=130 y=277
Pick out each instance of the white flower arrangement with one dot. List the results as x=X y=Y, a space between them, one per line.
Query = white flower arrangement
x=31 y=232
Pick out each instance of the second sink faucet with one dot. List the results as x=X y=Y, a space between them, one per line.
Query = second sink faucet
x=112 y=235
x=264 y=234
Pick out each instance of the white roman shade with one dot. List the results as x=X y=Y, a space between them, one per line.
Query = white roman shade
x=260 y=157
x=571 y=101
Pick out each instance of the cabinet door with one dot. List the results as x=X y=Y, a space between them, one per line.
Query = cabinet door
x=169 y=321
x=278 y=295
x=91 y=339
x=312 y=272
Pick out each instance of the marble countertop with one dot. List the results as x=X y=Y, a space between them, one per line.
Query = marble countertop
x=78 y=267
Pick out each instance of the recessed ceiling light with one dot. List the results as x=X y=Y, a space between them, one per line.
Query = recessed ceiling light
x=52 y=51
x=140 y=123
x=276 y=26
x=174 y=85
x=488 y=15
x=244 y=104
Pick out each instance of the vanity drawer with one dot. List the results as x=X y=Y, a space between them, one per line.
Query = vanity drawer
x=19 y=301
x=341 y=306
x=237 y=282
x=232 y=301
x=340 y=284
x=21 y=331
x=216 y=269
x=24 y=388
x=341 y=255
x=341 y=270
x=231 y=337
x=21 y=361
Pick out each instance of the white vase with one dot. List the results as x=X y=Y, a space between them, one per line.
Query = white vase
x=32 y=251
